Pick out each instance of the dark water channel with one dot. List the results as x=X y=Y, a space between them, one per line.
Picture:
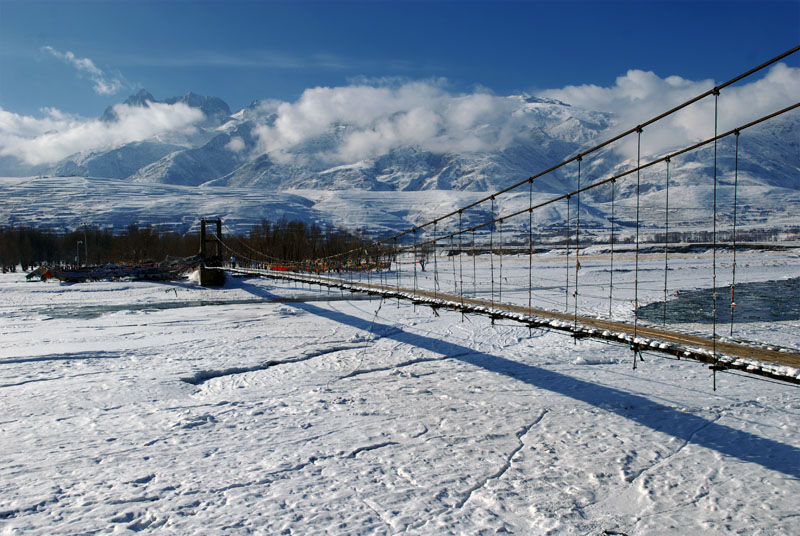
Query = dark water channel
x=767 y=301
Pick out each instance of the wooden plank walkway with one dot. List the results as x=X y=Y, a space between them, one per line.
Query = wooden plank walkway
x=720 y=354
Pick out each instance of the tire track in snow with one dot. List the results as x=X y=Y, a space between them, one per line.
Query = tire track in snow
x=663 y=461
x=372 y=505
x=200 y=377
x=287 y=472
x=367 y=448
x=632 y=482
x=671 y=455
x=506 y=465
x=359 y=372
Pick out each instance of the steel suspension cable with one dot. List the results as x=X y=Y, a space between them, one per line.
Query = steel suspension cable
x=628 y=132
x=636 y=169
x=601 y=182
x=622 y=135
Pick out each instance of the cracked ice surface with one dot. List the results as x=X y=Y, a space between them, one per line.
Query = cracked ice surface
x=228 y=412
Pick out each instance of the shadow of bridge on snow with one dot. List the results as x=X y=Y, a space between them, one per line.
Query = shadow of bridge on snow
x=694 y=429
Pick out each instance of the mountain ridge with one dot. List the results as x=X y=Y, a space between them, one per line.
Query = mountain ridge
x=233 y=152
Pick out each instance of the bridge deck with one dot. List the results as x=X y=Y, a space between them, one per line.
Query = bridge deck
x=722 y=354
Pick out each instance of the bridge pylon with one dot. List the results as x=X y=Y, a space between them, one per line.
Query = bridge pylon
x=211 y=274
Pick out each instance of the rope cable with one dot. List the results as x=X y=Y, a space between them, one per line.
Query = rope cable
x=453 y=264
x=491 y=251
x=636 y=264
x=735 y=190
x=566 y=264
x=399 y=269
x=415 y=259
x=530 y=242
x=666 y=243
x=461 y=263
x=635 y=169
x=611 y=267
x=500 y=279
x=714 y=254
x=577 y=243
x=435 y=264
x=628 y=132
x=474 y=275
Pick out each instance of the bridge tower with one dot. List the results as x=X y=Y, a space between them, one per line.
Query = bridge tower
x=216 y=259
x=211 y=277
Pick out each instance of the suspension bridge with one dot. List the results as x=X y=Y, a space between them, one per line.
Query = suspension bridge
x=507 y=257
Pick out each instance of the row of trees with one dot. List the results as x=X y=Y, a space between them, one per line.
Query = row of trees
x=30 y=246
x=296 y=241
x=285 y=240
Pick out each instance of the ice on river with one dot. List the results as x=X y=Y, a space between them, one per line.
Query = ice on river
x=169 y=408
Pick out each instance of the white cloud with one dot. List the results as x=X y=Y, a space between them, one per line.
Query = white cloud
x=368 y=120
x=236 y=145
x=374 y=120
x=641 y=95
x=57 y=135
x=103 y=84
x=339 y=125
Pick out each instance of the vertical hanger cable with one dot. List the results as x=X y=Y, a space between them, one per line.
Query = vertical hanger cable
x=735 y=190
x=567 y=233
x=530 y=241
x=666 y=243
x=714 y=248
x=577 y=243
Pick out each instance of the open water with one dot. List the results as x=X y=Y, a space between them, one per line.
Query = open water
x=768 y=301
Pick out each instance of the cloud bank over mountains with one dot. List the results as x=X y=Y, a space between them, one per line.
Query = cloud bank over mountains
x=640 y=95
x=56 y=136
x=364 y=121
x=379 y=119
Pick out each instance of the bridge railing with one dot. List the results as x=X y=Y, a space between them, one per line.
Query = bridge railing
x=583 y=240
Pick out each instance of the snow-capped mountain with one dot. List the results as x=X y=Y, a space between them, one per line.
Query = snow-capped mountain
x=331 y=162
x=214 y=109
x=224 y=152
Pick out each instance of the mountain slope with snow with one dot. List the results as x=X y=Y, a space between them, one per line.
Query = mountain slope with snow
x=441 y=144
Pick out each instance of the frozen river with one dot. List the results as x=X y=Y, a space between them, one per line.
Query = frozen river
x=265 y=408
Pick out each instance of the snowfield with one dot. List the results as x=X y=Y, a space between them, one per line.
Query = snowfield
x=270 y=408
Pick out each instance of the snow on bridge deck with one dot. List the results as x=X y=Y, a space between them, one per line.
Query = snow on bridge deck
x=776 y=363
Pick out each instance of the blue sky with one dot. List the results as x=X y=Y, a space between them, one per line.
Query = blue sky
x=79 y=57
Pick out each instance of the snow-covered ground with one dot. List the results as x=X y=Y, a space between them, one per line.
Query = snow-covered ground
x=267 y=408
